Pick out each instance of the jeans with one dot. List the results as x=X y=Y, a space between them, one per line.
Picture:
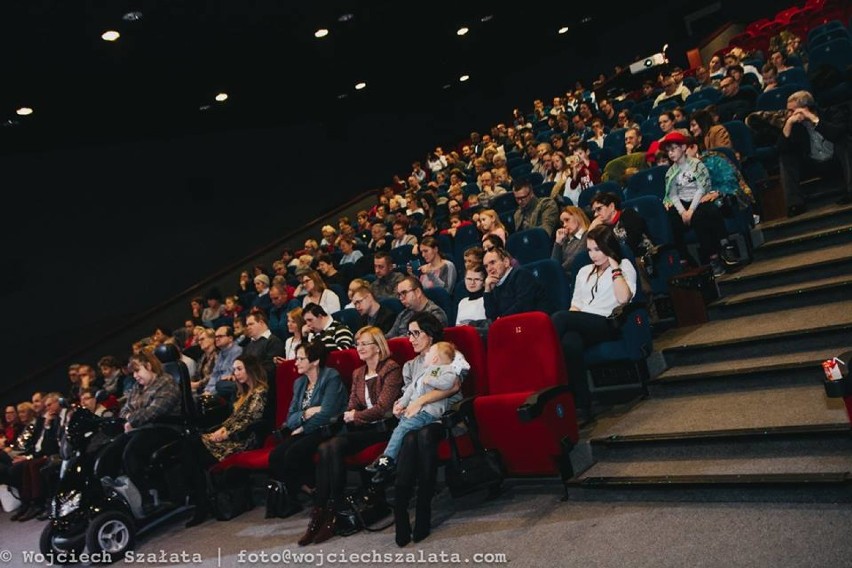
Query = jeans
x=405 y=426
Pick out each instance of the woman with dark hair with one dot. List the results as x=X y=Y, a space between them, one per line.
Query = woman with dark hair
x=629 y=227
x=375 y=388
x=436 y=271
x=600 y=287
x=232 y=436
x=707 y=134
x=418 y=459
x=318 y=396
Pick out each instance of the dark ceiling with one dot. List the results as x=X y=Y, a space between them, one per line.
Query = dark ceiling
x=167 y=66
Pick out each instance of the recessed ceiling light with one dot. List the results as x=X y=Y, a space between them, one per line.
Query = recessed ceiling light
x=24 y=111
x=487 y=18
x=110 y=35
x=345 y=17
x=359 y=86
x=563 y=29
x=462 y=31
x=322 y=32
x=132 y=16
x=221 y=97
x=464 y=78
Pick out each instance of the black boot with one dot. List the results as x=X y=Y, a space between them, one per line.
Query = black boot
x=423 y=517
x=402 y=522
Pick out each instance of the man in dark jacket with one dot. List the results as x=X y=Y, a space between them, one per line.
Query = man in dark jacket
x=511 y=290
x=814 y=138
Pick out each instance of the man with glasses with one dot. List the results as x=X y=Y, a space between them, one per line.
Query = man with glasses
x=410 y=293
x=372 y=312
x=221 y=379
x=534 y=211
x=323 y=328
x=387 y=279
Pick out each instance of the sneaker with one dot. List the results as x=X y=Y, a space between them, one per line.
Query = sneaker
x=729 y=255
x=717 y=266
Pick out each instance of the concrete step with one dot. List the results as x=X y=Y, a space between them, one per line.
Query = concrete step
x=808 y=241
x=827 y=327
x=815 y=291
x=821 y=217
x=801 y=267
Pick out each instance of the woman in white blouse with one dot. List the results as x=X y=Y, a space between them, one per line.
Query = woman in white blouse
x=317 y=293
x=600 y=287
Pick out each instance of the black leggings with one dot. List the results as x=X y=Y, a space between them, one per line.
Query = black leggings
x=709 y=225
x=418 y=458
x=576 y=332
x=331 y=470
x=292 y=460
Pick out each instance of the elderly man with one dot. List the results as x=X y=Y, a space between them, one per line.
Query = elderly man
x=810 y=137
x=410 y=293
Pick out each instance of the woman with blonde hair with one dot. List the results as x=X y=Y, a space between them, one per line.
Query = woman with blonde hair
x=317 y=293
x=570 y=238
x=375 y=388
x=490 y=224
x=295 y=324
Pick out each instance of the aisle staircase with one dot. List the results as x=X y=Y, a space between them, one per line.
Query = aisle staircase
x=740 y=413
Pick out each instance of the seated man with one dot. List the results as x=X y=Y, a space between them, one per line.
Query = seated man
x=414 y=300
x=511 y=290
x=816 y=138
x=371 y=311
x=323 y=328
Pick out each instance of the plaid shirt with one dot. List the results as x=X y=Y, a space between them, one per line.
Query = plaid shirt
x=144 y=405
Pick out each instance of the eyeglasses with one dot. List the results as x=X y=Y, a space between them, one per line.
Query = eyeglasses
x=357 y=303
x=364 y=343
x=520 y=198
x=598 y=208
x=403 y=293
x=473 y=279
x=414 y=333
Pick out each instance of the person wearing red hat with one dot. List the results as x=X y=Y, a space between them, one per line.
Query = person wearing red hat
x=687 y=181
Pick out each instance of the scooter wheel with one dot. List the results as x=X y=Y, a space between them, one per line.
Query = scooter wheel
x=111 y=532
x=47 y=545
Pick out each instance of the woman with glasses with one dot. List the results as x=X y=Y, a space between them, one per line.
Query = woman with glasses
x=317 y=293
x=318 y=396
x=375 y=387
x=418 y=459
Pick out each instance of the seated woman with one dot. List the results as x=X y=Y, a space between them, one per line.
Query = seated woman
x=436 y=272
x=232 y=436
x=599 y=288
x=375 y=387
x=317 y=293
x=708 y=135
x=570 y=238
x=318 y=396
x=418 y=458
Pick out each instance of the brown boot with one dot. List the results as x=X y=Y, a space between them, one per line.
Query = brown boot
x=317 y=517
x=328 y=527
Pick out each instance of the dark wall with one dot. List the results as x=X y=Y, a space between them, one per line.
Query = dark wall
x=98 y=234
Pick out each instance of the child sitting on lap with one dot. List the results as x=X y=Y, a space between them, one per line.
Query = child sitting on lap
x=439 y=375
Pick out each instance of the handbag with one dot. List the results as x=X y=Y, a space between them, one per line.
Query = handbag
x=364 y=510
x=480 y=470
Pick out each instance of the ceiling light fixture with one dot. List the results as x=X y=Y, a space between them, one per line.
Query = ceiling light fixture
x=359 y=86
x=462 y=31
x=345 y=17
x=132 y=16
x=24 y=111
x=221 y=97
x=563 y=30
x=464 y=78
x=110 y=35
x=322 y=32
x=586 y=20
x=487 y=18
